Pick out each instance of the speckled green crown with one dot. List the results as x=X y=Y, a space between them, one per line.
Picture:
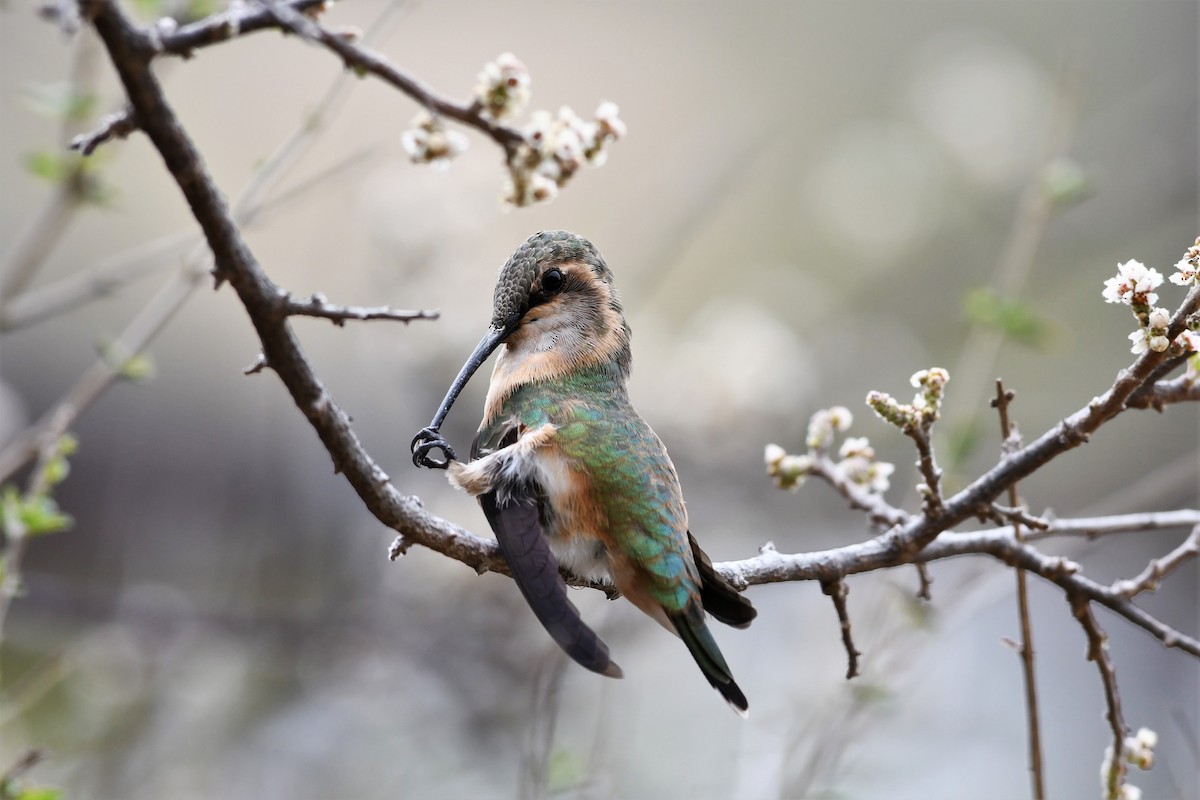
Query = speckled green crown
x=511 y=298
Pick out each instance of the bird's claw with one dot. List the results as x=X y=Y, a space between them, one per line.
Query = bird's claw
x=427 y=440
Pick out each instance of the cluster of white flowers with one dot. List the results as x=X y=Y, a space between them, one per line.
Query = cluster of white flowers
x=856 y=458
x=1153 y=335
x=788 y=471
x=556 y=147
x=503 y=87
x=926 y=406
x=824 y=424
x=429 y=141
x=1188 y=268
x=1139 y=752
x=858 y=464
x=1134 y=286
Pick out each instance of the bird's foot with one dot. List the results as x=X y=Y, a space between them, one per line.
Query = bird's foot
x=425 y=442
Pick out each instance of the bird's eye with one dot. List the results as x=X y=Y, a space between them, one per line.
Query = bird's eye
x=552 y=281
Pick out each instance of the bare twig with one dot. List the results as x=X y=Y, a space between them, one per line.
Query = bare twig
x=1094 y=527
x=117 y=125
x=317 y=306
x=364 y=60
x=1017 y=516
x=25 y=762
x=1160 y=394
x=237 y=20
x=837 y=591
x=926 y=582
x=1158 y=569
x=1097 y=651
x=1025 y=646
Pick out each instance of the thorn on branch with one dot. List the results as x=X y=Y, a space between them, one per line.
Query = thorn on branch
x=260 y=363
x=838 y=591
x=399 y=547
x=113 y=126
x=926 y=582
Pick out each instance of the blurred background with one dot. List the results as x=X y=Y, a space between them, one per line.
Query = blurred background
x=814 y=200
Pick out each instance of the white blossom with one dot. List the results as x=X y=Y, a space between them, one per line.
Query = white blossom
x=856 y=446
x=609 y=121
x=1186 y=272
x=1188 y=268
x=840 y=418
x=1134 y=284
x=503 y=87
x=429 y=141
x=773 y=455
x=1141 y=341
x=824 y=423
x=866 y=472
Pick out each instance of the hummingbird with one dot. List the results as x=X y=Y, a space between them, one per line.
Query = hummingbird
x=568 y=473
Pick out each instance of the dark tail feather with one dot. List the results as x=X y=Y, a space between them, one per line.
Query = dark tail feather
x=719 y=598
x=535 y=569
x=703 y=648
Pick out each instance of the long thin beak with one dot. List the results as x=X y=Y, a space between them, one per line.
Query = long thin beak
x=490 y=341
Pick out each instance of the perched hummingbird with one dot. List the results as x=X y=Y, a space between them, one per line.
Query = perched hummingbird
x=568 y=472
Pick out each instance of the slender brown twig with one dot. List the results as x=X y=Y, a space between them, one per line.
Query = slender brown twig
x=1097 y=652
x=1158 y=569
x=318 y=306
x=1025 y=646
x=837 y=591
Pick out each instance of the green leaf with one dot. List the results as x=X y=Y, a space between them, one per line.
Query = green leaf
x=138 y=368
x=67 y=445
x=134 y=368
x=40 y=515
x=38 y=793
x=52 y=167
x=56 y=470
x=1014 y=318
